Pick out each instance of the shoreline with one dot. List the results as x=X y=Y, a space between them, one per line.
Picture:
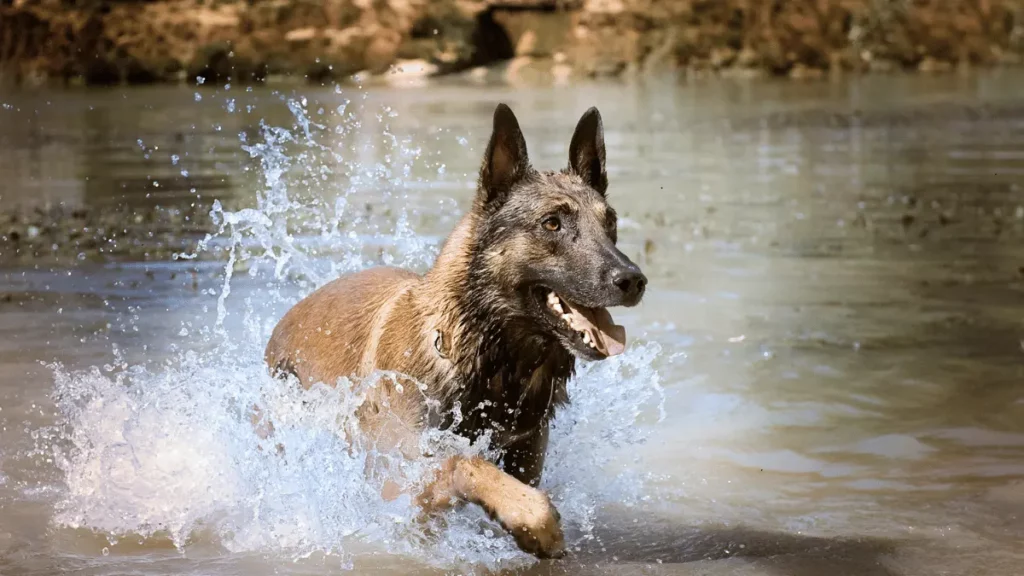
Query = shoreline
x=114 y=42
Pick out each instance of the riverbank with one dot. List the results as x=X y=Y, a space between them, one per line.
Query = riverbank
x=105 y=42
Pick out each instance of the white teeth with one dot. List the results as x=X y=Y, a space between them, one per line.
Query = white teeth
x=554 y=303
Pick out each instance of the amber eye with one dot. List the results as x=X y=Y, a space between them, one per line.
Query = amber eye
x=552 y=223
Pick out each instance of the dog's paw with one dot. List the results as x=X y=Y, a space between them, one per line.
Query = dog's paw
x=535 y=524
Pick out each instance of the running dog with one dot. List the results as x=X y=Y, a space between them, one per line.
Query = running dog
x=519 y=290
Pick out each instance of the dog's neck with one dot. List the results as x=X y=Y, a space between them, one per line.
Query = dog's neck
x=506 y=374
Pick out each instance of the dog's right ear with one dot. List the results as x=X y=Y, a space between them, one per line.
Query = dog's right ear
x=505 y=160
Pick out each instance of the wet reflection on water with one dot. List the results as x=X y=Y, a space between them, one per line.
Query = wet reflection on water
x=837 y=283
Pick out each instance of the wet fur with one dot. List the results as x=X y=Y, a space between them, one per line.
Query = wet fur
x=506 y=371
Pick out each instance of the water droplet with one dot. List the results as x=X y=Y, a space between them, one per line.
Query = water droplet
x=200 y=80
x=105 y=551
x=462 y=141
x=184 y=173
x=199 y=97
x=174 y=159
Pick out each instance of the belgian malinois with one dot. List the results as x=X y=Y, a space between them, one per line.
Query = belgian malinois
x=518 y=291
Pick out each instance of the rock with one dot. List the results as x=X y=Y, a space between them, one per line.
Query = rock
x=382 y=51
x=301 y=35
x=561 y=73
x=748 y=58
x=802 y=72
x=882 y=65
x=527 y=70
x=535 y=34
x=410 y=73
x=722 y=57
x=932 y=65
x=412 y=69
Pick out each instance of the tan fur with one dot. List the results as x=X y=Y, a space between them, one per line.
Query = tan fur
x=385 y=319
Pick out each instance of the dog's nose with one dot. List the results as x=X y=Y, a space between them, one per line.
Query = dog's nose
x=632 y=283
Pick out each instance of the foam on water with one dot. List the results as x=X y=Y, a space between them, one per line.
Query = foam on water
x=169 y=451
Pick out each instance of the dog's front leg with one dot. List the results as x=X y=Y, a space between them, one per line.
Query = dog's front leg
x=524 y=511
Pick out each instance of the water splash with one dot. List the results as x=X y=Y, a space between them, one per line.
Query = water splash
x=170 y=452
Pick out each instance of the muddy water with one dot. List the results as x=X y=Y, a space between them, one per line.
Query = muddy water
x=827 y=376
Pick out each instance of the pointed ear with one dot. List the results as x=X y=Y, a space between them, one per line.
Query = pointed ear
x=505 y=160
x=586 y=151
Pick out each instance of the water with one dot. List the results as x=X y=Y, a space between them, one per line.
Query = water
x=825 y=377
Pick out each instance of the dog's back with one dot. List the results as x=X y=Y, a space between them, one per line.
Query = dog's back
x=335 y=331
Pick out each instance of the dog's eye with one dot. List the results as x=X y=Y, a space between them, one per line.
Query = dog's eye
x=552 y=223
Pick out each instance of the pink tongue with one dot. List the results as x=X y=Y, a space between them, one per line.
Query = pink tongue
x=609 y=337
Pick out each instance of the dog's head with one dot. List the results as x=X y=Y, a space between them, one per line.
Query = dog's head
x=547 y=239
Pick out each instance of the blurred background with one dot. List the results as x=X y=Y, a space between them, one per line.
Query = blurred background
x=825 y=378
x=99 y=42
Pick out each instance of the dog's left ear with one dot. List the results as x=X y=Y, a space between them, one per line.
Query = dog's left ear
x=586 y=151
x=505 y=161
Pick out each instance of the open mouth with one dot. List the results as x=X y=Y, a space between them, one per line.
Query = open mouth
x=593 y=327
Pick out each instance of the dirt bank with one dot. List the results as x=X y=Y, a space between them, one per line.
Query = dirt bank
x=107 y=42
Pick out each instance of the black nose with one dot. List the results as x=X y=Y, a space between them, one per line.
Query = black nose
x=632 y=283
